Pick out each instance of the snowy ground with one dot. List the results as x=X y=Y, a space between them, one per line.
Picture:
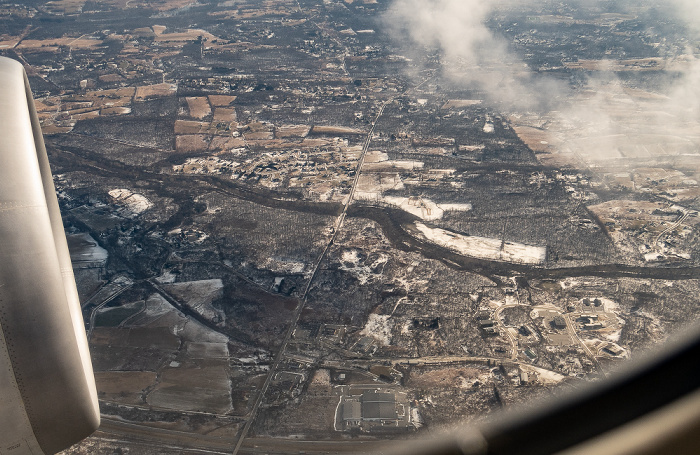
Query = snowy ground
x=132 y=203
x=416 y=419
x=613 y=336
x=378 y=327
x=609 y=305
x=199 y=296
x=352 y=263
x=545 y=376
x=423 y=208
x=284 y=265
x=483 y=247
x=380 y=175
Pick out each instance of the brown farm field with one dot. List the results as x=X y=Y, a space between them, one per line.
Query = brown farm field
x=198 y=106
x=202 y=387
x=124 y=387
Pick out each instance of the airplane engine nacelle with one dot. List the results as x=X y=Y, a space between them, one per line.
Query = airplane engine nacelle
x=48 y=399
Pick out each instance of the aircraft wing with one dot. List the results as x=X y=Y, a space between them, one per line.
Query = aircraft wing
x=48 y=399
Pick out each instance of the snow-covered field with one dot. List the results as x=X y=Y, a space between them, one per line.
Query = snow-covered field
x=425 y=208
x=199 y=296
x=484 y=247
x=371 y=186
x=132 y=203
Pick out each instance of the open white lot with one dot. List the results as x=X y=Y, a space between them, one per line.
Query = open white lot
x=484 y=247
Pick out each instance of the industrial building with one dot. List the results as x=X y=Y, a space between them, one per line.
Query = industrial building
x=371 y=410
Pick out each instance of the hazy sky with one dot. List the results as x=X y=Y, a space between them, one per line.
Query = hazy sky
x=470 y=52
x=480 y=59
x=477 y=58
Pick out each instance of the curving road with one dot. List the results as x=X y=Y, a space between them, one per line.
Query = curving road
x=497 y=318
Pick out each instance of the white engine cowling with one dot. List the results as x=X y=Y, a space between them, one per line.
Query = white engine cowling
x=48 y=399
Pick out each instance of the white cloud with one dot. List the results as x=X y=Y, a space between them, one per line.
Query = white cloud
x=471 y=53
x=474 y=56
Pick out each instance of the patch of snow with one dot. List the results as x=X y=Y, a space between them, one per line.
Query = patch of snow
x=156 y=305
x=248 y=360
x=568 y=283
x=195 y=331
x=492 y=304
x=608 y=305
x=512 y=300
x=132 y=203
x=352 y=264
x=398 y=302
x=455 y=207
x=613 y=336
x=372 y=186
x=352 y=257
x=378 y=327
x=207 y=350
x=652 y=257
x=131 y=305
x=166 y=278
x=376 y=156
x=471 y=148
x=284 y=266
x=546 y=376
x=416 y=419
